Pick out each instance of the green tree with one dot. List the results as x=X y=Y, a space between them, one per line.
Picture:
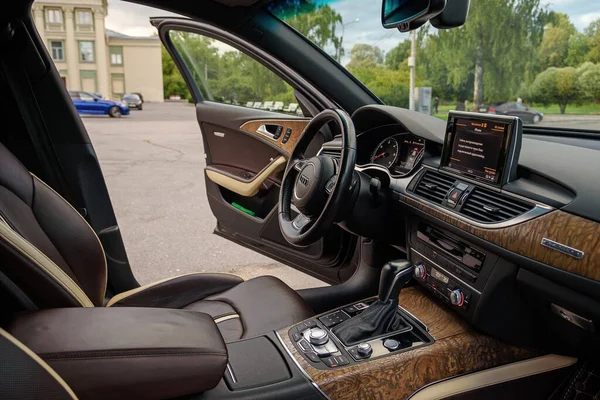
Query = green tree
x=579 y=47
x=554 y=48
x=593 y=31
x=589 y=81
x=319 y=23
x=557 y=86
x=365 y=55
x=497 y=44
x=173 y=83
x=397 y=56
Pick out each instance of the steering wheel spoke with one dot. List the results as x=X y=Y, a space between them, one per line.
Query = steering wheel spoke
x=301 y=221
x=299 y=164
x=330 y=184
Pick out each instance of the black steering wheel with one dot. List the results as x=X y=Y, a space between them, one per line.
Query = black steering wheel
x=319 y=186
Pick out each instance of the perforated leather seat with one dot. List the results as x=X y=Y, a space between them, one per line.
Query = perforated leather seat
x=50 y=252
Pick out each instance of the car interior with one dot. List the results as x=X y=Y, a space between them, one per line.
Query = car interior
x=450 y=277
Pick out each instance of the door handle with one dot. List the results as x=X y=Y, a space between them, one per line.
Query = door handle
x=242 y=187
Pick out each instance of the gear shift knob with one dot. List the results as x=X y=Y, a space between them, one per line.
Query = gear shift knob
x=394 y=275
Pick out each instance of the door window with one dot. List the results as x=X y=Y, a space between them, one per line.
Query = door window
x=226 y=75
x=86 y=96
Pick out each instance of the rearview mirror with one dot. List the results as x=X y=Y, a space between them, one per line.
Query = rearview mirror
x=453 y=16
x=409 y=14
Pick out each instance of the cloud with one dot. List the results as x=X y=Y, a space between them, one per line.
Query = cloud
x=588 y=18
x=132 y=19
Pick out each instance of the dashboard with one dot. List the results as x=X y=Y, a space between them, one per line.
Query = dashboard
x=518 y=233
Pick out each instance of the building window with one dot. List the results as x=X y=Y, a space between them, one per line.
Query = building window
x=89 y=83
x=54 y=19
x=86 y=51
x=118 y=84
x=57 y=50
x=54 y=16
x=116 y=55
x=84 y=20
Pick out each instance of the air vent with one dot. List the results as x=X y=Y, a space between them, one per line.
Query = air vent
x=434 y=186
x=489 y=207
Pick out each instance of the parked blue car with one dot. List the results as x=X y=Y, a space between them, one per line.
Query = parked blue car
x=88 y=103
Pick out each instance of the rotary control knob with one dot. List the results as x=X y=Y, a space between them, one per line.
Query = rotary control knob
x=364 y=349
x=457 y=297
x=318 y=337
x=420 y=271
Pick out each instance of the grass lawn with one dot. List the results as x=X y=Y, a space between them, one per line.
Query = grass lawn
x=584 y=109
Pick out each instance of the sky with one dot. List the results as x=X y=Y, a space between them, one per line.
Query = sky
x=132 y=19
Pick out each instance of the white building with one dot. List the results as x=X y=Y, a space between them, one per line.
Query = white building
x=94 y=59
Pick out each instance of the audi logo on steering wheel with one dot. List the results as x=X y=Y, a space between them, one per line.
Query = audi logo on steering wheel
x=303 y=180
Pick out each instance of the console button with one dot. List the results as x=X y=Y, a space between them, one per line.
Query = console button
x=462 y=186
x=318 y=336
x=364 y=349
x=453 y=197
x=391 y=344
x=350 y=309
x=330 y=362
x=312 y=356
x=311 y=323
x=296 y=336
x=334 y=318
x=304 y=346
x=342 y=360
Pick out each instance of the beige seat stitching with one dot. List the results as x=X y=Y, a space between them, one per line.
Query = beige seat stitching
x=86 y=223
x=38 y=360
x=41 y=260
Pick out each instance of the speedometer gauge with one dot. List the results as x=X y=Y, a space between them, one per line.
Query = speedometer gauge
x=386 y=153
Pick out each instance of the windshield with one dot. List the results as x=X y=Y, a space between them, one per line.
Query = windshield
x=133 y=97
x=536 y=59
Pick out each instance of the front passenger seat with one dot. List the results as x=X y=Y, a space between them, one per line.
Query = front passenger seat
x=50 y=252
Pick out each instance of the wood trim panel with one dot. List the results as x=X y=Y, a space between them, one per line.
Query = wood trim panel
x=525 y=238
x=457 y=350
x=297 y=126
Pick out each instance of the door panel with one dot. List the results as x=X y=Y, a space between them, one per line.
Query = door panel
x=243 y=154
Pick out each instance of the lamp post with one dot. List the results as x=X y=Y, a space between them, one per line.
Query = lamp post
x=412 y=64
x=339 y=50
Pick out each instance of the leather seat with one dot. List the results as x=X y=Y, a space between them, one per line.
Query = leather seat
x=50 y=252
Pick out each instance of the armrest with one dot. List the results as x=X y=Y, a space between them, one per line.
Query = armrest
x=127 y=352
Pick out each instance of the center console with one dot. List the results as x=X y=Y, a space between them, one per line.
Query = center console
x=316 y=341
x=366 y=330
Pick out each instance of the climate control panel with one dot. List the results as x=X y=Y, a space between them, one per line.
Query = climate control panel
x=440 y=282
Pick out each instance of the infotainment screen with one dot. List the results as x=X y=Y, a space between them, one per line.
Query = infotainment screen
x=482 y=147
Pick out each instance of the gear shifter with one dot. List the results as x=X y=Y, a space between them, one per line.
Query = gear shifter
x=382 y=316
x=394 y=275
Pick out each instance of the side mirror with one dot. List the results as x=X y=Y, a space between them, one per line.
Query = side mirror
x=407 y=15
x=95 y=99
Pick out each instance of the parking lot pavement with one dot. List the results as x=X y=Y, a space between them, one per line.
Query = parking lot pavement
x=153 y=163
x=572 y=121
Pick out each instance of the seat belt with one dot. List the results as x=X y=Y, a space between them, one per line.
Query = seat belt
x=17 y=75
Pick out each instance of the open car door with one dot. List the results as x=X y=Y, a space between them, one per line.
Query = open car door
x=250 y=109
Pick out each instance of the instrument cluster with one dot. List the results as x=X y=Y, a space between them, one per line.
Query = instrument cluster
x=400 y=153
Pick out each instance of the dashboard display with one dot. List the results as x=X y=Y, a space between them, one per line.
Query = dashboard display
x=439 y=276
x=480 y=147
x=386 y=153
x=411 y=151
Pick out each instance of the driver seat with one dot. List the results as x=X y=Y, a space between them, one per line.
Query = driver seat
x=48 y=250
